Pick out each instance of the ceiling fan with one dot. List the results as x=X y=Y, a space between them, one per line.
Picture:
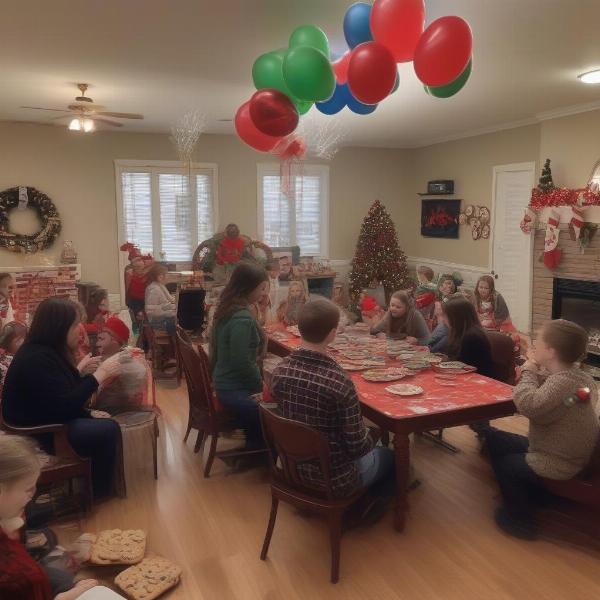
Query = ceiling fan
x=84 y=113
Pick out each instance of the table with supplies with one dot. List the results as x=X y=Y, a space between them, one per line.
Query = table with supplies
x=435 y=398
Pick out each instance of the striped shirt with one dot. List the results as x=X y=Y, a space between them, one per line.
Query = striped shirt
x=310 y=387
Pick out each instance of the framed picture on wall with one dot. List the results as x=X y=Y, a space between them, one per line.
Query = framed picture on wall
x=439 y=218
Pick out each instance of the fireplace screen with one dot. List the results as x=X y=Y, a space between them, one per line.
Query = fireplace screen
x=579 y=301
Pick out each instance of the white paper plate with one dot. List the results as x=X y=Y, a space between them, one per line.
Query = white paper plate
x=404 y=389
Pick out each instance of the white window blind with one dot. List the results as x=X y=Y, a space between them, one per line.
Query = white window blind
x=301 y=220
x=164 y=211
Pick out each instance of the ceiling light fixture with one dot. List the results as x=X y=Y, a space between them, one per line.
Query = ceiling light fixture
x=590 y=76
x=80 y=124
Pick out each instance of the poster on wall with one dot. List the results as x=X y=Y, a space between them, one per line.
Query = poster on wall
x=439 y=218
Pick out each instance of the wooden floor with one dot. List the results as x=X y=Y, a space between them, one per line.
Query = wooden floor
x=451 y=549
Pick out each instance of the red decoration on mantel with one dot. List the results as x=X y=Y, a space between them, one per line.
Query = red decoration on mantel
x=564 y=197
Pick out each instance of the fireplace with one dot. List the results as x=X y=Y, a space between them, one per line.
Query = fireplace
x=579 y=301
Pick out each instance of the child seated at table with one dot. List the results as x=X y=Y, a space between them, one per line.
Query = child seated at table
x=312 y=388
x=370 y=312
x=289 y=310
x=559 y=399
x=403 y=321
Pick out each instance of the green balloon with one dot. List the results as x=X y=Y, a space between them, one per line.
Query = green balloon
x=308 y=74
x=303 y=106
x=452 y=88
x=267 y=72
x=309 y=35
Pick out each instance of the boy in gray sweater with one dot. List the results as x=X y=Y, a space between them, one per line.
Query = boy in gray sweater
x=559 y=399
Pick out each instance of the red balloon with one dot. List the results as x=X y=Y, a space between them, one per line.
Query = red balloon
x=443 y=51
x=340 y=68
x=371 y=73
x=273 y=112
x=248 y=132
x=398 y=25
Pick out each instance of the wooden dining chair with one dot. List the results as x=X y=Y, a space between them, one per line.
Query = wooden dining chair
x=291 y=444
x=64 y=464
x=503 y=356
x=583 y=489
x=205 y=414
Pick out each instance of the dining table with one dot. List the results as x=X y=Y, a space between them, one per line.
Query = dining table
x=445 y=401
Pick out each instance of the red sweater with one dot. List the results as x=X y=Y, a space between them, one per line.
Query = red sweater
x=21 y=578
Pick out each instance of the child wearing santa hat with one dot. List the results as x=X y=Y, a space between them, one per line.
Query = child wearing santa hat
x=128 y=391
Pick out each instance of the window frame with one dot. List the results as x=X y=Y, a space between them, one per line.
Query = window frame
x=152 y=166
x=322 y=171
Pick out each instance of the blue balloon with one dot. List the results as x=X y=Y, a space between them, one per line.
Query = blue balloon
x=357 y=29
x=396 y=84
x=335 y=103
x=358 y=107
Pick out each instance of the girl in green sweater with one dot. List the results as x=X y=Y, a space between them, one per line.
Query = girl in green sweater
x=237 y=343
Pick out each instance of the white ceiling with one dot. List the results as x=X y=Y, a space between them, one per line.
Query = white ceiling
x=163 y=57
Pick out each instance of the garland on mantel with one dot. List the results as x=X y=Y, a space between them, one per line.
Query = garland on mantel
x=587 y=196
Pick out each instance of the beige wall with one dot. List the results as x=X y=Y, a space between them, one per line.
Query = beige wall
x=470 y=163
x=77 y=173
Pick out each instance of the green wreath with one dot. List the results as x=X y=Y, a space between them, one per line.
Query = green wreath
x=50 y=224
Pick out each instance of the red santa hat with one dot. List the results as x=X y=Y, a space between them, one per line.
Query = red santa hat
x=117 y=329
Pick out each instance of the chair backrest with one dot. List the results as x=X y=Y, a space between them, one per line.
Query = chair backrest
x=292 y=444
x=196 y=369
x=503 y=356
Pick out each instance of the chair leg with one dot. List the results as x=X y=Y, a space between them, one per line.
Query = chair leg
x=270 y=527
x=199 y=440
x=187 y=431
x=335 y=536
x=211 y=454
x=155 y=450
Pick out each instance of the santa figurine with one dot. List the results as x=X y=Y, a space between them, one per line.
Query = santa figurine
x=231 y=248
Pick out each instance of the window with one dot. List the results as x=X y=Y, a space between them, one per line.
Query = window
x=161 y=212
x=300 y=221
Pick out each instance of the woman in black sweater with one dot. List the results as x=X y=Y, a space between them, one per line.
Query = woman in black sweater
x=467 y=340
x=43 y=386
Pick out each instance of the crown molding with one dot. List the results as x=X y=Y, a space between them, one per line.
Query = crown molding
x=557 y=113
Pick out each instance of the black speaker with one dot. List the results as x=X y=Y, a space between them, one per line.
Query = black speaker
x=190 y=309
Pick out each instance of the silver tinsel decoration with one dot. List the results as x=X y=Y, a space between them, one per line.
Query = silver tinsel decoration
x=323 y=136
x=186 y=132
x=185 y=135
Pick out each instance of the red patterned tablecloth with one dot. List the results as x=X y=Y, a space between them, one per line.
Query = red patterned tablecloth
x=439 y=394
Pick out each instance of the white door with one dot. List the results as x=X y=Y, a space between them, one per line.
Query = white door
x=512 y=250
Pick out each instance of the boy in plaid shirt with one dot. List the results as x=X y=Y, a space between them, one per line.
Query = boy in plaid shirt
x=310 y=387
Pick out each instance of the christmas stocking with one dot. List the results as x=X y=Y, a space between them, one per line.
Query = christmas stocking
x=551 y=249
x=577 y=220
x=528 y=222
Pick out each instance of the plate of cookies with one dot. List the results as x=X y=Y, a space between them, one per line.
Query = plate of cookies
x=118 y=547
x=404 y=389
x=149 y=579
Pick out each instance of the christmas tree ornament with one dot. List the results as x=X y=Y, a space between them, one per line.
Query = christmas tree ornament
x=552 y=252
x=581 y=395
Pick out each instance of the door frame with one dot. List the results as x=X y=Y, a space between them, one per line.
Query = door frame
x=509 y=168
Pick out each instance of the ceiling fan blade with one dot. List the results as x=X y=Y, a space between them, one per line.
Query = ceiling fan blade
x=67 y=116
x=120 y=115
x=105 y=121
x=40 y=108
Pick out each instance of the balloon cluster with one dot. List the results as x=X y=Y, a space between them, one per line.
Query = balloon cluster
x=289 y=81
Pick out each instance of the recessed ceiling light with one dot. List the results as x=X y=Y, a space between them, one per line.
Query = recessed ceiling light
x=590 y=76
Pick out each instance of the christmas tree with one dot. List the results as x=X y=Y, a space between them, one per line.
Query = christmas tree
x=378 y=256
x=546 y=184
